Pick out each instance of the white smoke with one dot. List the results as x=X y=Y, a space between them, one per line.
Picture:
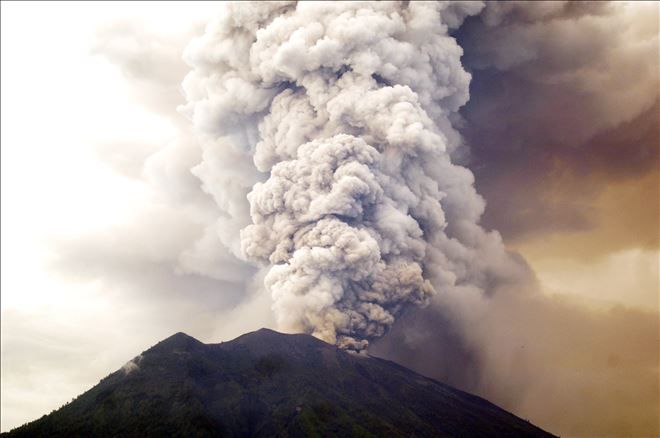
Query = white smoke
x=132 y=365
x=334 y=120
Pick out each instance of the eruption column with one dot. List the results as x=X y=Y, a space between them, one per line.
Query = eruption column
x=345 y=108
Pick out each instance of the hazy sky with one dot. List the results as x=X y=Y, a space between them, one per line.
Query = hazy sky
x=102 y=219
x=64 y=110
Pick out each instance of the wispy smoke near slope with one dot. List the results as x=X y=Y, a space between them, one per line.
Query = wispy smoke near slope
x=345 y=110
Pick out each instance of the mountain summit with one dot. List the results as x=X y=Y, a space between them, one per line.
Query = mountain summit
x=266 y=384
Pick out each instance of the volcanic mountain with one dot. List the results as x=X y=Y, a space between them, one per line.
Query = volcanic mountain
x=265 y=384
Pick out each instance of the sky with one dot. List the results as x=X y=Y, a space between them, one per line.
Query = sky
x=108 y=237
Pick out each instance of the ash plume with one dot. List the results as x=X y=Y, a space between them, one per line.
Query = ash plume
x=335 y=121
x=563 y=104
x=562 y=132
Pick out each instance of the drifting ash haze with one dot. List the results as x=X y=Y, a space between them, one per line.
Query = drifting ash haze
x=338 y=122
x=346 y=112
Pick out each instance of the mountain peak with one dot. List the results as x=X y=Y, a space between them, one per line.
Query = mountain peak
x=266 y=341
x=272 y=335
x=262 y=333
x=177 y=342
x=179 y=335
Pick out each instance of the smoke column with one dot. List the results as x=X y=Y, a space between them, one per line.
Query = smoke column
x=328 y=145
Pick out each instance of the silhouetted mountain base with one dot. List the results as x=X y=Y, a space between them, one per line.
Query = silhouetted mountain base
x=266 y=384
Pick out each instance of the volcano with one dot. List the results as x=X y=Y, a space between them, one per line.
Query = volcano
x=265 y=384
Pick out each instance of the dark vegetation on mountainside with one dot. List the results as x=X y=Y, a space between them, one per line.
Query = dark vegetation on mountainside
x=271 y=384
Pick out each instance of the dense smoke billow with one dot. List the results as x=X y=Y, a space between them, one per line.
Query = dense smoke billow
x=335 y=145
x=345 y=110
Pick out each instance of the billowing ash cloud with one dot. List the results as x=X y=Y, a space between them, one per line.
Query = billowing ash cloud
x=563 y=104
x=334 y=120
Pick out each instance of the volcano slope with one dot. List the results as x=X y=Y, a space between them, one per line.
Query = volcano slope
x=266 y=384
